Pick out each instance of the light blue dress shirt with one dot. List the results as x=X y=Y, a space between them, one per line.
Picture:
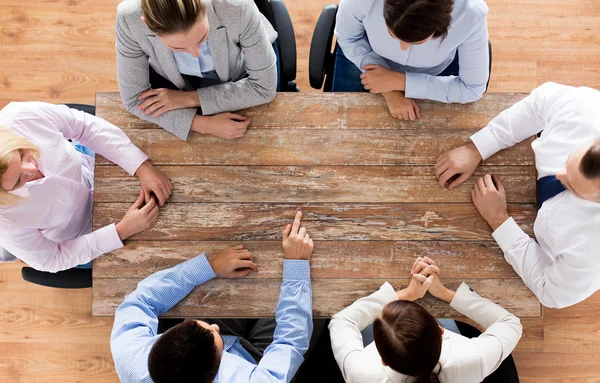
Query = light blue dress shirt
x=364 y=38
x=136 y=323
x=201 y=66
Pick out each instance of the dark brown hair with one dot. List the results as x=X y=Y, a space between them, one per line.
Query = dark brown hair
x=409 y=340
x=185 y=353
x=413 y=21
x=590 y=162
x=165 y=17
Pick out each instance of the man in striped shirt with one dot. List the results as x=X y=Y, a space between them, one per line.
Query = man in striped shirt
x=196 y=351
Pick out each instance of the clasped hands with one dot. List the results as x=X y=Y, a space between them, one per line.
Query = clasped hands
x=425 y=277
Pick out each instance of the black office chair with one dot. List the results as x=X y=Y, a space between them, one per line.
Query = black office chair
x=322 y=59
x=66 y=279
x=276 y=12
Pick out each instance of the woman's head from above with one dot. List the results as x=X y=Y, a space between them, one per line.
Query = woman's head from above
x=415 y=22
x=181 y=25
x=18 y=164
x=581 y=175
x=409 y=340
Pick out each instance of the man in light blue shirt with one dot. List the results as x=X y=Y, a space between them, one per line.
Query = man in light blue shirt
x=436 y=50
x=195 y=351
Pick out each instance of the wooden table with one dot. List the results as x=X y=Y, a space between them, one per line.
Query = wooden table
x=364 y=181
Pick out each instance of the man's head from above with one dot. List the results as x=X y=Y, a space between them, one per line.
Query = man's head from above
x=409 y=340
x=581 y=175
x=189 y=352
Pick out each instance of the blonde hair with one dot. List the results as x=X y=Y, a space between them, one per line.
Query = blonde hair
x=9 y=143
x=165 y=17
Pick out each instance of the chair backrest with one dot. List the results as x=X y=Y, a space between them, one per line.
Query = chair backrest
x=277 y=14
x=322 y=60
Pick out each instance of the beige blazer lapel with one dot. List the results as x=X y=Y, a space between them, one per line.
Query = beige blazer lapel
x=167 y=62
x=217 y=43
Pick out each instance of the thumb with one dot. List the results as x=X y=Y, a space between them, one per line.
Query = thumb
x=428 y=282
x=370 y=67
x=419 y=277
x=139 y=201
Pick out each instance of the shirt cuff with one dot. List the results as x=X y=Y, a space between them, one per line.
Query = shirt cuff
x=507 y=234
x=460 y=302
x=200 y=269
x=108 y=239
x=417 y=85
x=136 y=159
x=486 y=143
x=387 y=293
x=296 y=270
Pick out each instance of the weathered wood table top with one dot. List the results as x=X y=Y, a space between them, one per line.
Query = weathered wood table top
x=363 y=179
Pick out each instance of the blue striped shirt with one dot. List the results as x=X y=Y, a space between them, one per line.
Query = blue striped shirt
x=136 y=324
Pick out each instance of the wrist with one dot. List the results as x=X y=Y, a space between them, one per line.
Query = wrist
x=200 y=124
x=471 y=146
x=496 y=222
x=143 y=168
x=193 y=99
x=122 y=231
x=404 y=295
x=447 y=295
x=400 y=81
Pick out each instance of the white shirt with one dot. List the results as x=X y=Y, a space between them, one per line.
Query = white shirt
x=563 y=267
x=364 y=38
x=52 y=229
x=462 y=360
x=195 y=66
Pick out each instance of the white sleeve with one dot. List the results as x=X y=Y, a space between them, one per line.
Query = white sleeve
x=346 y=326
x=503 y=329
x=521 y=121
x=97 y=134
x=556 y=283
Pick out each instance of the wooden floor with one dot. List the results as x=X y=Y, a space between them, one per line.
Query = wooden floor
x=63 y=50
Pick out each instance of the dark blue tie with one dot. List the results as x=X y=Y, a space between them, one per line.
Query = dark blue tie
x=548 y=187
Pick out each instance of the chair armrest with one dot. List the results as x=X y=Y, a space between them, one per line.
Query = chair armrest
x=286 y=41
x=320 y=61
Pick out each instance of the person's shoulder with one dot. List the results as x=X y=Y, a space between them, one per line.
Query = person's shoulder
x=24 y=109
x=129 y=9
x=474 y=10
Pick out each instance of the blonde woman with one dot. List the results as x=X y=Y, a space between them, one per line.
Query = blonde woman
x=47 y=184
x=182 y=63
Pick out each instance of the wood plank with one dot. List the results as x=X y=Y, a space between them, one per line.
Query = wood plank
x=317 y=147
x=338 y=222
x=365 y=184
x=258 y=298
x=330 y=260
x=339 y=111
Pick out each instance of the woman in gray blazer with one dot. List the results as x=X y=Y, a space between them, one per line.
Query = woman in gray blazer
x=184 y=64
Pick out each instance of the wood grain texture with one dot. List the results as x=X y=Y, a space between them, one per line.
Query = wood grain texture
x=315 y=147
x=332 y=222
x=247 y=296
x=331 y=111
x=367 y=184
x=534 y=41
x=330 y=260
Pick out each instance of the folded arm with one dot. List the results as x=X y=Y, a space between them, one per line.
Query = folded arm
x=136 y=319
x=472 y=78
x=503 y=329
x=346 y=326
x=133 y=74
x=261 y=84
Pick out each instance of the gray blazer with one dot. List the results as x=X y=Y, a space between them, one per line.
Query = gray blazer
x=240 y=40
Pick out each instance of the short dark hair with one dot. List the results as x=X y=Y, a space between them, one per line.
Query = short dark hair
x=185 y=353
x=409 y=340
x=415 y=20
x=590 y=162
